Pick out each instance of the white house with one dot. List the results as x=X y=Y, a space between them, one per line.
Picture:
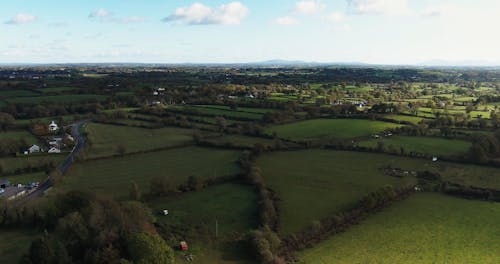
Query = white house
x=53 y=126
x=54 y=150
x=34 y=149
x=55 y=142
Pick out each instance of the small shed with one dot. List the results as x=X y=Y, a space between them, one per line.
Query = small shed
x=34 y=149
x=184 y=246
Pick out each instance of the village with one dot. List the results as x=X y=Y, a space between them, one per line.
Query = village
x=55 y=141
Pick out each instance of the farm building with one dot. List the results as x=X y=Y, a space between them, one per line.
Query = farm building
x=53 y=126
x=34 y=149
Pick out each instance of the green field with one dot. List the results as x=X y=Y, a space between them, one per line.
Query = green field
x=70 y=98
x=412 y=119
x=425 y=228
x=238 y=109
x=426 y=145
x=12 y=163
x=240 y=140
x=106 y=138
x=14 y=244
x=17 y=93
x=218 y=111
x=19 y=134
x=57 y=89
x=314 y=184
x=27 y=178
x=234 y=207
x=114 y=175
x=337 y=128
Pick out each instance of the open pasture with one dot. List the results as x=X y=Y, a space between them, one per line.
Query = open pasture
x=411 y=119
x=14 y=244
x=314 y=184
x=329 y=128
x=26 y=178
x=233 y=206
x=19 y=134
x=70 y=98
x=425 y=228
x=113 y=176
x=217 y=111
x=107 y=138
x=10 y=164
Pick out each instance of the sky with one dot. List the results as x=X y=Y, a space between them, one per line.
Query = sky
x=225 y=31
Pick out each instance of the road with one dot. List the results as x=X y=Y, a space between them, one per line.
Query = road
x=80 y=144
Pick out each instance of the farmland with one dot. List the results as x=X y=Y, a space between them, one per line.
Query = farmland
x=114 y=175
x=106 y=138
x=14 y=244
x=254 y=165
x=19 y=134
x=233 y=206
x=72 y=98
x=334 y=128
x=425 y=228
x=10 y=164
x=314 y=184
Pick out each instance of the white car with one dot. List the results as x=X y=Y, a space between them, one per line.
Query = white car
x=2 y=190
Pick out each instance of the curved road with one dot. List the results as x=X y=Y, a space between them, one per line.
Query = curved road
x=80 y=144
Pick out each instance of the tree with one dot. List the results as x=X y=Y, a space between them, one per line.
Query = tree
x=134 y=192
x=121 y=150
x=150 y=249
x=193 y=183
x=40 y=251
x=221 y=123
x=160 y=186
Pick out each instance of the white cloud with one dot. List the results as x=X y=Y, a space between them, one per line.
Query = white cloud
x=200 y=14
x=336 y=17
x=102 y=13
x=386 y=7
x=21 y=19
x=308 y=7
x=286 y=21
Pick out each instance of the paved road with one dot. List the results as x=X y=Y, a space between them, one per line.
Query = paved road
x=80 y=144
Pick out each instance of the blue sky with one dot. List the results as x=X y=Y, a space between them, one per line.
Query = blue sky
x=175 y=31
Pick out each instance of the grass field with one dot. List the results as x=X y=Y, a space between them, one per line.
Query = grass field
x=234 y=207
x=27 y=178
x=17 y=93
x=70 y=98
x=426 y=145
x=411 y=119
x=113 y=176
x=106 y=138
x=12 y=163
x=218 y=111
x=57 y=89
x=14 y=244
x=314 y=184
x=19 y=134
x=425 y=228
x=240 y=140
x=338 y=128
x=238 y=109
